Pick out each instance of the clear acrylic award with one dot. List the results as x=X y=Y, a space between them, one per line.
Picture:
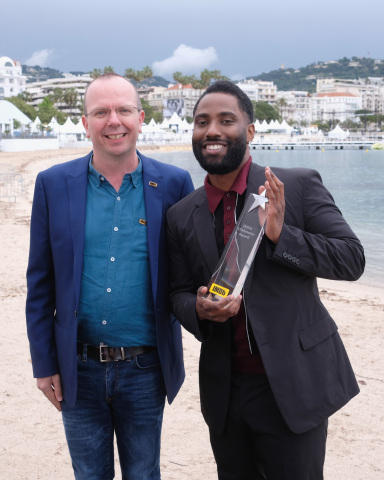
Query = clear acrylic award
x=237 y=258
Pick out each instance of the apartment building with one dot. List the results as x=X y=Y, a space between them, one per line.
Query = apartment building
x=259 y=91
x=335 y=106
x=12 y=82
x=153 y=95
x=370 y=90
x=294 y=105
x=39 y=90
x=180 y=99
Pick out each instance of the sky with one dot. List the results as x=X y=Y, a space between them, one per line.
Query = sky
x=240 y=38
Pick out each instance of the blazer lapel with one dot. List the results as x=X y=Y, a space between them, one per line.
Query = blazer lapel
x=205 y=232
x=77 y=193
x=153 y=185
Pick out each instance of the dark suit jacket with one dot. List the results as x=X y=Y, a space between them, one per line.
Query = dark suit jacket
x=55 y=265
x=304 y=358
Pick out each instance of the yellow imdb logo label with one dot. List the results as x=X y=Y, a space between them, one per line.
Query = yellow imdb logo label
x=219 y=290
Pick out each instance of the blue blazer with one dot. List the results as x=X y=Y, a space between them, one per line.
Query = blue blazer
x=55 y=265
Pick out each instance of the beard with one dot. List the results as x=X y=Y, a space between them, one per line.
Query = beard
x=231 y=161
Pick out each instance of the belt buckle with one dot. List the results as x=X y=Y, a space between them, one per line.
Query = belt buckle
x=102 y=354
x=107 y=358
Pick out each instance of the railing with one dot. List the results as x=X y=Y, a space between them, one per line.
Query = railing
x=11 y=183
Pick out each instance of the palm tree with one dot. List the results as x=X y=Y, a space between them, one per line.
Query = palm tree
x=70 y=98
x=96 y=72
x=281 y=104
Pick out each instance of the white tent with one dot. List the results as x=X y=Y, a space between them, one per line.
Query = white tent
x=261 y=127
x=152 y=123
x=68 y=128
x=338 y=132
x=154 y=128
x=185 y=126
x=175 y=122
x=8 y=113
x=164 y=124
x=35 y=125
x=54 y=126
x=284 y=125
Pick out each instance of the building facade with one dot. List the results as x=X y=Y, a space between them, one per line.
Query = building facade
x=295 y=106
x=12 y=82
x=328 y=107
x=70 y=104
x=180 y=99
x=370 y=90
x=259 y=91
x=153 y=95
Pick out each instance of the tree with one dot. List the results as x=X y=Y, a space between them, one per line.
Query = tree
x=46 y=111
x=150 y=112
x=96 y=72
x=206 y=77
x=264 y=111
x=146 y=72
x=108 y=70
x=16 y=124
x=26 y=96
x=138 y=75
x=364 y=115
x=70 y=97
x=57 y=95
x=21 y=104
x=321 y=125
x=281 y=105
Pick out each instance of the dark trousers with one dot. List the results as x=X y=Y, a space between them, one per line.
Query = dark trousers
x=257 y=444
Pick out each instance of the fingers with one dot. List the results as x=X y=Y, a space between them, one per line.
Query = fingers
x=51 y=387
x=216 y=311
x=276 y=208
x=274 y=187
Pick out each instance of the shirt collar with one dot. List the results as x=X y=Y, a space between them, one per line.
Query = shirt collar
x=136 y=175
x=215 y=195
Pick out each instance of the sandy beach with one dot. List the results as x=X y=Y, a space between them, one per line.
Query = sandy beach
x=33 y=445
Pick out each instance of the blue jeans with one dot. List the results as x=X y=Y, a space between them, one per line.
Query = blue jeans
x=125 y=398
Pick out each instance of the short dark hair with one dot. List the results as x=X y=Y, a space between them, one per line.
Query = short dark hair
x=108 y=76
x=228 y=87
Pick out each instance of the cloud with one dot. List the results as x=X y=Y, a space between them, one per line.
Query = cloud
x=187 y=60
x=237 y=77
x=40 y=58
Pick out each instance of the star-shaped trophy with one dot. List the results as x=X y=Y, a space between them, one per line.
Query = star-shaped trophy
x=237 y=258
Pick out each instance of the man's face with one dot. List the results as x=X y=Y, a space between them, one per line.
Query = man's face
x=221 y=133
x=114 y=135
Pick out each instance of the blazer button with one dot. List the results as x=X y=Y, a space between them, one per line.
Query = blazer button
x=297 y=261
x=289 y=257
x=285 y=255
x=293 y=259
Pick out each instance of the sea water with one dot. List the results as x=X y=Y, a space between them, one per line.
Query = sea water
x=355 y=179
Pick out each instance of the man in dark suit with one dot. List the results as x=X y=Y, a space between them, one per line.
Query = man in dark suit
x=272 y=366
x=105 y=348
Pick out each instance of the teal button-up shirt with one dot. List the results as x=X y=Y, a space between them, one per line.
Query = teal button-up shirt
x=116 y=305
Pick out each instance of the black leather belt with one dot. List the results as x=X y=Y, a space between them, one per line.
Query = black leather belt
x=103 y=353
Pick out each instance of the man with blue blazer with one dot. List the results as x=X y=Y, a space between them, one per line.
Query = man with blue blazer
x=272 y=365
x=105 y=348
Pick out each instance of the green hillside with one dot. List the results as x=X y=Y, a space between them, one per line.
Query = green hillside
x=305 y=78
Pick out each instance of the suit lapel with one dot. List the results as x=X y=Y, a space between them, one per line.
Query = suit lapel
x=77 y=197
x=153 y=184
x=205 y=232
